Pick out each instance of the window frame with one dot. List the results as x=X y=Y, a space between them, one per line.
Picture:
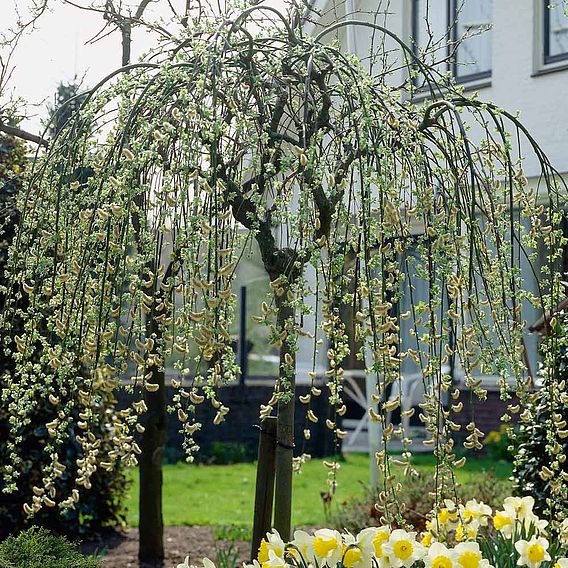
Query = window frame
x=453 y=21
x=451 y=35
x=546 y=58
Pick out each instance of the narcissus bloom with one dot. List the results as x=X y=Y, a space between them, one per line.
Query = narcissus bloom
x=532 y=552
x=272 y=543
x=561 y=563
x=355 y=554
x=522 y=506
x=440 y=556
x=468 y=555
x=402 y=549
x=475 y=513
x=303 y=544
x=328 y=546
x=374 y=537
x=504 y=521
x=447 y=517
x=274 y=561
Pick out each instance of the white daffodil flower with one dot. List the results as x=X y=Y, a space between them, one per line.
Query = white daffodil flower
x=402 y=549
x=522 y=506
x=532 y=552
x=274 y=561
x=272 y=543
x=375 y=537
x=504 y=521
x=475 y=513
x=328 y=546
x=440 y=556
x=302 y=544
x=468 y=555
x=356 y=554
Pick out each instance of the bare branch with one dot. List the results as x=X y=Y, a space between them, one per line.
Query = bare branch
x=24 y=135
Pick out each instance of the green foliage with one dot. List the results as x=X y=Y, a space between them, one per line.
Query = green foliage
x=498 y=444
x=542 y=439
x=39 y=548
x=418 y=494
x=95 y=510
x=224 y=453
x=228 y=558
x=232 y=533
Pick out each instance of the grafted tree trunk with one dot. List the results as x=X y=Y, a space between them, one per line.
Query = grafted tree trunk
x=153 y=444
x=285 y=427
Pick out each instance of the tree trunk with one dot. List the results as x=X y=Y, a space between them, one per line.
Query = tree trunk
x=285 y=430
x=126 y=32
x=151 y=529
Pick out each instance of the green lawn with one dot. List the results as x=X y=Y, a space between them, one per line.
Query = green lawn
x=224 y=494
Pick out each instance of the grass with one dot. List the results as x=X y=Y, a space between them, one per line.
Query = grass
x=224 y=494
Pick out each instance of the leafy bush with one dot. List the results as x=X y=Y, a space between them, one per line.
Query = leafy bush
x=225 y=453
x=418 y=497
x=498 y=444
x=39 y=548
x=96 y=509
x=540 y=444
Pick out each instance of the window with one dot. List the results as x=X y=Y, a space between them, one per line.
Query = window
x=555 y=31
x=440 y=24
x=472 y=22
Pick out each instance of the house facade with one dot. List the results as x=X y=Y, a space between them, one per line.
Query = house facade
x=513 y=53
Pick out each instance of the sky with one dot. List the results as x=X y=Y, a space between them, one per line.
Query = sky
x=58 y=50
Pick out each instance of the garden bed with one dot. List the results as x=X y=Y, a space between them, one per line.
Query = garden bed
x=196 y=542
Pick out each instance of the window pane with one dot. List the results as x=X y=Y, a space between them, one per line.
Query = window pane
x=431 y=31
x=473 y=23
x=557 y=28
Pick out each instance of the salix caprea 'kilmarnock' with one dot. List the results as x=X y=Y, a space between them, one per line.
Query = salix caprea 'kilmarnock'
x=246 y=133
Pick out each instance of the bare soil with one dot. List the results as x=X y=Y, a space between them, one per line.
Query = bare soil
x=121 y=549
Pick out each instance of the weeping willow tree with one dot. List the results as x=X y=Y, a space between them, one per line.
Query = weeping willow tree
x=245 y=133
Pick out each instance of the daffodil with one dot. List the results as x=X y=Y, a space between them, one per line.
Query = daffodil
x=561 y=563
x=504 y=522
x=272 y=543
x=522 y=506
x=328 y=546
x=374 y=537
x=402 y=549
x=427 y=539
x=274 y=561
x=302 y=544
x=468 y=555
x=466 y=532
x=355 y=554
x=447 y=517
x=564 y=532
x=439 y=556
x=532 y=552
x=475 y=512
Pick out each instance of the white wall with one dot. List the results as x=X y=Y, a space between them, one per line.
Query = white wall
x=517 y=83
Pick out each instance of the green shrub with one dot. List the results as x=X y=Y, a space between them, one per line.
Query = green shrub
x=226 y=453
x=537 y=441
x=418 y=496
x=499 y=445
x=39 y=548
x=97 y=509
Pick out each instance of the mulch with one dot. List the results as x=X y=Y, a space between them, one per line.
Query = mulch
x=121 y=549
